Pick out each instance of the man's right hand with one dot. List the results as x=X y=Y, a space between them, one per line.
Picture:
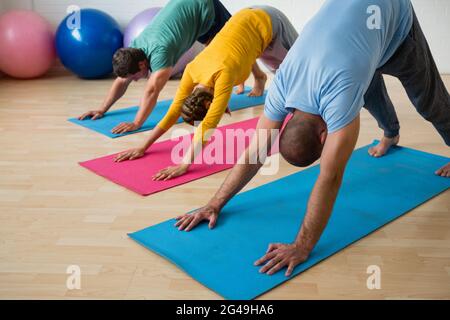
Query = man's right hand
x=130 y=155
x=190 y=220
x=93 y=114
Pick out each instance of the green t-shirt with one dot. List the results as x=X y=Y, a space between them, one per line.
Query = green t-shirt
x=174 y=30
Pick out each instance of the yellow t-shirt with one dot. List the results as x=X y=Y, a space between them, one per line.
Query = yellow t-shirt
x=226 y=62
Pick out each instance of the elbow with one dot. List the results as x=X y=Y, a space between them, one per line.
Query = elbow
x=151 y=92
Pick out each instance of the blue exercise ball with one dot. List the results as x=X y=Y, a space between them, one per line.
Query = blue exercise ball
x=86 y=41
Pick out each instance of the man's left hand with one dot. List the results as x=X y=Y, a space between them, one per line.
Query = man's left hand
x=125 y=127
x=281 y=255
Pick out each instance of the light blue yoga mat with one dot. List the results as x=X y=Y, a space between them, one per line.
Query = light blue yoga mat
x=113 y=118
x=374 y=192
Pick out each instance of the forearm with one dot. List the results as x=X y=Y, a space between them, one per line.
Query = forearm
x=235 y=181
x=249 y=163
x=148 y=102
x=155 y=85
x=155 y=134
x=194 y=150
x=117 y=91
x=320 y=206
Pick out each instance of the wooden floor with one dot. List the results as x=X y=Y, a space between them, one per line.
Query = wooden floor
x=54 y=213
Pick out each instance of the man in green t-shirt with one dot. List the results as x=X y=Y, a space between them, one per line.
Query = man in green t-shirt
x=157 y=49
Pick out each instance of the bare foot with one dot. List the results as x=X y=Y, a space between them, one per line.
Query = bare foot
x=240 y=89
x=383 y=147
x=444 y=171
x=258 y=88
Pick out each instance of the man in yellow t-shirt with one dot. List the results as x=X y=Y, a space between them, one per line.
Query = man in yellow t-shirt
x=207 y=83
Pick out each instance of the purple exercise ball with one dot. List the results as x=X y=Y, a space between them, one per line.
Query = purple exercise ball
x=138 y=24
x=141 y=21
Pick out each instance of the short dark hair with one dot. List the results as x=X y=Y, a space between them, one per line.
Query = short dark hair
x=126 y=61
x=300 y=143
x=194 y=107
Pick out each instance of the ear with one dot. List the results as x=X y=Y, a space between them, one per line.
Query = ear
x=143 y=65
x=323 y=136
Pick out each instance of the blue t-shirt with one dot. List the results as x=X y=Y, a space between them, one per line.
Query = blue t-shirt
x=331 y=65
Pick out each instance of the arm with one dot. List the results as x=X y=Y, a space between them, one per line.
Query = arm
x=241 y=174
x=337 y=150
x=336 y=153
x=168 y=121
x=223 y=89
x=118 y=89
x=155 y=84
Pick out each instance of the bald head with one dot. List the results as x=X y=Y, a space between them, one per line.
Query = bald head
x=300 y=142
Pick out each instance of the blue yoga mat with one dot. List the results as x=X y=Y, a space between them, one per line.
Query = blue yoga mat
x=113 y=118
x=374 y=192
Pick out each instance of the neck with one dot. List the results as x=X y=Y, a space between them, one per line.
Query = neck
x=309 y=117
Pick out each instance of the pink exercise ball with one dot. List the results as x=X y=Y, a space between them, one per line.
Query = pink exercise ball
x=141 y=21
x=27 y=47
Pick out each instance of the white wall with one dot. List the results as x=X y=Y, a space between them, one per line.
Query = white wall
x=434 y=15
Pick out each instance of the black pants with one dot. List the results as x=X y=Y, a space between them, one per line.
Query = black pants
x=221 y=17
x=414 y=66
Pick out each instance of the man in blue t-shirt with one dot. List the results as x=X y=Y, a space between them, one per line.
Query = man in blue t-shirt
x=332 y=71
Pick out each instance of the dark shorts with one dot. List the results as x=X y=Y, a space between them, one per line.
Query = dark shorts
x=221 y=17
x=414 y=66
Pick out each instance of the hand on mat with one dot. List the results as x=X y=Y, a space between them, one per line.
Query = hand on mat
x=125 y=127
x=93 y=114
x=130 y=155
x=279 y=256
x=188 y=221
x=170 y=173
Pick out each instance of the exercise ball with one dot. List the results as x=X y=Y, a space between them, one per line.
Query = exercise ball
x=87 y=47
x=26 y=44
x=138 y=24
x=141 y=21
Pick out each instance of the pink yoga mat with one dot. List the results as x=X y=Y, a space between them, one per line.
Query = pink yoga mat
x=136 y=175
